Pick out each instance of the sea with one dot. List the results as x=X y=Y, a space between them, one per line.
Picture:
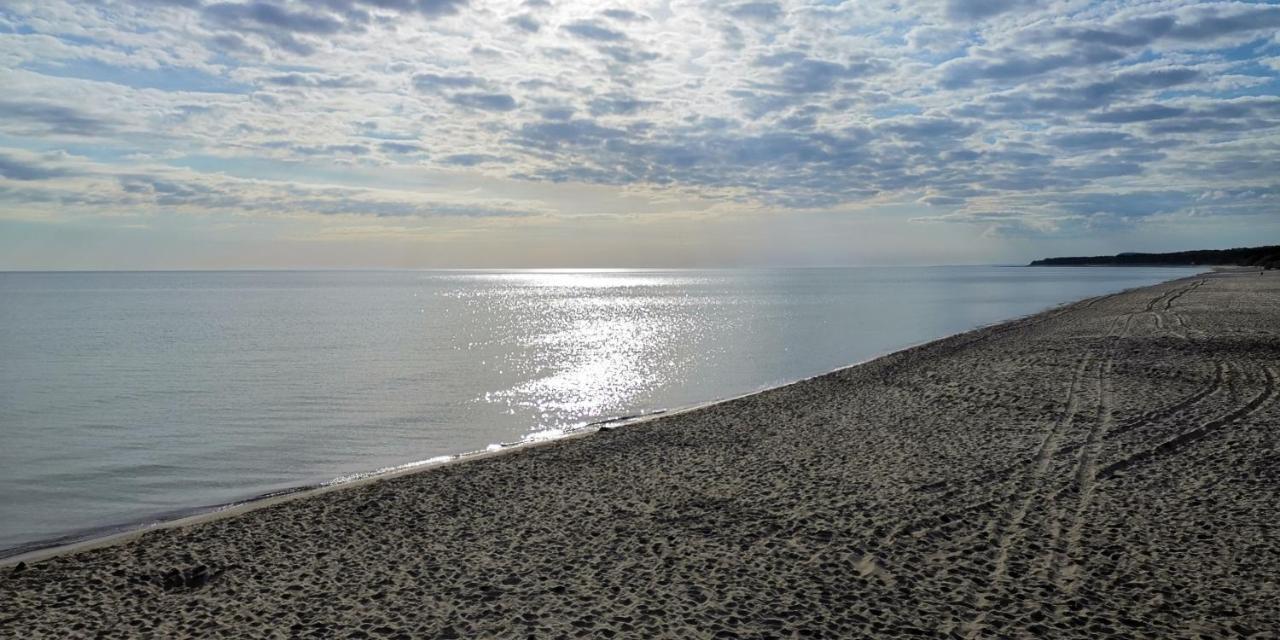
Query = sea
x=132 y=398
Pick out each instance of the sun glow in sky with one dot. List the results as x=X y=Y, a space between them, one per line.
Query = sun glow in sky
x=442 y=133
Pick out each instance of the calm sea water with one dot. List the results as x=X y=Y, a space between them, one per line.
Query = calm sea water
x=131 y=397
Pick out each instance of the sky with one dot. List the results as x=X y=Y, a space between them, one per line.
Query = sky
x=165 y=134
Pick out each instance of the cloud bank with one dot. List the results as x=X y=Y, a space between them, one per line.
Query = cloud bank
x=1017 y=118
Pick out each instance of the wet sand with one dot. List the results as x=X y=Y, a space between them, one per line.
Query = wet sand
x=1106 y=469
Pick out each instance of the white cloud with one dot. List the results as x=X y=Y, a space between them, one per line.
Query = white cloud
x=999 y=103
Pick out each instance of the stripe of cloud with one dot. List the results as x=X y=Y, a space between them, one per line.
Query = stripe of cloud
x=525 y=22
x=1072 y=98
x=435 y=82
x=315 y=81
x=484 y=101
x=399 y=147
x=283 y=25
x=472 y=159
x=1095 y=45
x=1010 y=65
x=1144 y=113
x=618 y=105
x=273 y=198
x=756 y=11
x=624 y=15
x=28 y=170
x=1201 y=25
x=265 y=15
x=592 y=31
x=427 y=8
x=54 y=118
x=969 y=10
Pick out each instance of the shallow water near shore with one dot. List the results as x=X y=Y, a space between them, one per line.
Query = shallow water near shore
x=131 y=397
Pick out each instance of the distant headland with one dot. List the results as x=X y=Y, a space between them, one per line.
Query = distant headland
x=1260 y=257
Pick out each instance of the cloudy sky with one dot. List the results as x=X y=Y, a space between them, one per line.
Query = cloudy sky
x=439 y=133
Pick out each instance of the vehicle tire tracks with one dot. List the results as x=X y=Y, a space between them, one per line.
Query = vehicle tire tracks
x=1012 y=528
x=1187 y=438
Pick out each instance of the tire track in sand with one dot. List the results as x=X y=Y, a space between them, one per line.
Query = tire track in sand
x=1060 y=523
x=1032 y=486
x=1179 y=320
x=1064 y=571
x=1168 y=302
x=1187 y=438
x=946 y=489
x=1164 y=302
x=1167 y=411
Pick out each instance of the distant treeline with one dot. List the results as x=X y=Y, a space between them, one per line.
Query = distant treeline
x=1261 y=257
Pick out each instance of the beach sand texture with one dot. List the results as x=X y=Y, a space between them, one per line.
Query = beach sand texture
x=1106 y=469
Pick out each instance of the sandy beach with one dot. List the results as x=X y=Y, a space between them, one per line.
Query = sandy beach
x=1110 y=468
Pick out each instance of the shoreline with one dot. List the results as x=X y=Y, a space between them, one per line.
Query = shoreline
x=1105 y=468
x=122 y=533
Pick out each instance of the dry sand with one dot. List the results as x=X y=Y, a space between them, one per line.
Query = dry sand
x=1106 y=469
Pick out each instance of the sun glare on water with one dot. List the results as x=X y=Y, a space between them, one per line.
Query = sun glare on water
x=584 y=353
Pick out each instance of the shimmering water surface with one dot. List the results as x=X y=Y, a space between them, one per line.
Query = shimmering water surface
x=129 y=397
